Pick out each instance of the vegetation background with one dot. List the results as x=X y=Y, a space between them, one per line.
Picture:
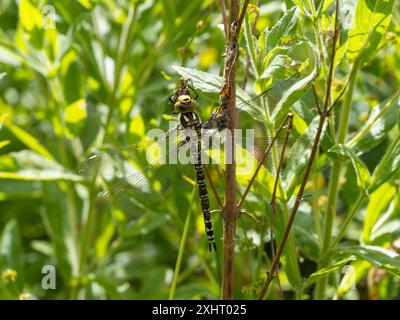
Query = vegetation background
x=76 y=76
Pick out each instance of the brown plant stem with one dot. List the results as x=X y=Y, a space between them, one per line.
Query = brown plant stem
x=273 y=198
x=323 y=116
x=224 y=18
x=230 y=210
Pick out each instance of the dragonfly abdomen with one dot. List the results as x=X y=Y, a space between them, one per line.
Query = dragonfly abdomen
x=205 y=204
x=192 y=120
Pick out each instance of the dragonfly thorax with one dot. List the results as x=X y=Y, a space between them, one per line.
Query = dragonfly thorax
x=184 y=104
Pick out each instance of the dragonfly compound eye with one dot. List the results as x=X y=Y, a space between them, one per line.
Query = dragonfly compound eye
x=184 y=99
x=185 y=103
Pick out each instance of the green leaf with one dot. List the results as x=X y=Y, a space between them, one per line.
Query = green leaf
x=398 y=121
x=39 y=175
x=381 y=120
x=387 y=167
x=195 y=290
x=342 y=152
x=378 y=202
x=76 y=112
x=30 y=141
x=291 y=95
x=356 y=273
x=28 y=165
x=298 y=157
x=12 y=250
x=326 y=4
x=31 y=20
x=371 y=19
x=246 y=165
x=322 y=273
x=110 y=286
x=210 y=83
x=251 y=46
x=377 y=256
x=277 y=68
x=283 y=27
x=11 y=55
x=308 y=242
x=59 y=221
x=300 y=4
x=147 y=223
x=17 y=190
x=306 y=235
x=71 y=79
x=30 y=16
x=289 y=257
x=4 y=143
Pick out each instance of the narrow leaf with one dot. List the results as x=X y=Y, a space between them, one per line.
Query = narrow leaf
x=322 y=273
x=11 y=248
x=30 y=141
x=378 y=202
x=362 y=173
x=387 y=167
x=377 y=256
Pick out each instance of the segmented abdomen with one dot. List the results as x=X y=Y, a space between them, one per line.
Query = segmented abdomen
x=204 y=200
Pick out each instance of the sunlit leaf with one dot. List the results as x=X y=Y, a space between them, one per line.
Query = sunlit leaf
x=58 y=219
x=76 y=112
x=12 y=250
x=354 y=274
x=381 y=120
x=371 y=19
x=362 y=173
x=30 y=16
x=322 y=273
x=29 y=140
x=291 y=95
x=387 y=167
x=377 y=256
x=282 y=28
x=378 y=202
x=298 y=157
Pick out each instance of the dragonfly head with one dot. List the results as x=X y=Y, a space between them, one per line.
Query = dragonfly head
x=185 y=103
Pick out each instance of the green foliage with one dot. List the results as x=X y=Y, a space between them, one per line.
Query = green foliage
x=100 y=80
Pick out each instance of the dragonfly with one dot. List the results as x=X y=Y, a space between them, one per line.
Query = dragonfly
x=189 y=135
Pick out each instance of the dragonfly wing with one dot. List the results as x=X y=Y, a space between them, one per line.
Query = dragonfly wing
x=259 y=149
x=136 y=182
x=273 y=96
x=141 y=183
x=100 y=161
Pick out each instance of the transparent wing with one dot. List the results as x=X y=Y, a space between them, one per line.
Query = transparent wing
x=124 y=178
x=91 y=166
x=128 y=181
x=273 y=94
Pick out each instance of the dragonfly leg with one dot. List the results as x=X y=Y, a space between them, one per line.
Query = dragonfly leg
x=212 y=245
x=194 y=91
